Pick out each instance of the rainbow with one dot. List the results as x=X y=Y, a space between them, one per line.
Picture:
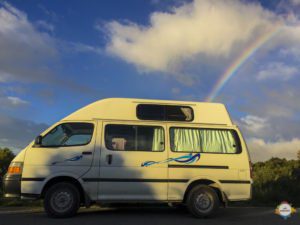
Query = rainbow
x=241 y=60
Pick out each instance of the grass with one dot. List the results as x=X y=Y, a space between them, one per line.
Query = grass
x=19 y=203
x=15 y=202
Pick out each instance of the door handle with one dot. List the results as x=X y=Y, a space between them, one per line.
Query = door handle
x=87 y=153
x=109 y=159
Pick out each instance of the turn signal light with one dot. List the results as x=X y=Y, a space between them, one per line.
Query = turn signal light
x=15 y=168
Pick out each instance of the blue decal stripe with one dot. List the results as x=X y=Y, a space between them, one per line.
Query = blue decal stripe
x=190 y=158
x=73 y=159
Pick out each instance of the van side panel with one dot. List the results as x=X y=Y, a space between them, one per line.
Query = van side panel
x=43 y=163
x=231 y=172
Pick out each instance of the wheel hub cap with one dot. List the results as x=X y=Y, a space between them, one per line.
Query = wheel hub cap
x=61 y=201
x=203 y=202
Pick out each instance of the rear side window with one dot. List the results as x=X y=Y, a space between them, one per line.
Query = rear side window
x=134 y=138
x=165 y=112
x=204 y=140
x=69 y=134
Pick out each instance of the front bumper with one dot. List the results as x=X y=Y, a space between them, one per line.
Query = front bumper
x=12 y=186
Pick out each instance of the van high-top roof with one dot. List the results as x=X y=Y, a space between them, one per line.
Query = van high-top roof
x=126 y=109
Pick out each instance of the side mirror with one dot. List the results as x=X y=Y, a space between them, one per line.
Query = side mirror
x=38 y=140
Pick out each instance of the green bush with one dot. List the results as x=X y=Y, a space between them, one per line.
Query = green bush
x=6 y=156
x=276 y=180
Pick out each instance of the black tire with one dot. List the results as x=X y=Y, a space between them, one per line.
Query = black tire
x=62 y=200
x=202 y=201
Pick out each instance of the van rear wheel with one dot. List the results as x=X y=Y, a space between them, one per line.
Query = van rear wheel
x=62 y=200
x=203 y=201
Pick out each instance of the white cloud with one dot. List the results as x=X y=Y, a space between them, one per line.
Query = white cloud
x=278 y=71
x=45 y=25
x=11 y=101
x=295 y=2
x=208 y=28
x=17 y=133
x=82 y=48
x=289 y=36
x=4 y=77
x=16 y=100
x=254 y=123
x=261 y=150
x=51 y=14
x=25 y=51
x=276 y=111
x=29 y=54
x=292 y=51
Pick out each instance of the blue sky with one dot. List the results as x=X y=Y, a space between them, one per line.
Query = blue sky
x=57 y=56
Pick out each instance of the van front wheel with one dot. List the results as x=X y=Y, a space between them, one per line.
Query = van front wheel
x=202 y=201
x=62 y=200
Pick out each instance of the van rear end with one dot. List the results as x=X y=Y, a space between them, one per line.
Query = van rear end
x=243 y=187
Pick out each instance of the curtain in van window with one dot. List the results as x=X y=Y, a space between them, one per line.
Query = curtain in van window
x=158 y=140
x=185 y=140
x=217 y=141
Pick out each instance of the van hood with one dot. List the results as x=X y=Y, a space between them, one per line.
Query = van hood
x=21 y=155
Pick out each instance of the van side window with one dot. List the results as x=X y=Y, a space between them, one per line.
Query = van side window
x=185 y=140
x=204 y=140
x=134 y=138
x=69 y=134
x=164 y=112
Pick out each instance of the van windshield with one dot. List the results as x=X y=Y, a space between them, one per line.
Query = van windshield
x=69 y=134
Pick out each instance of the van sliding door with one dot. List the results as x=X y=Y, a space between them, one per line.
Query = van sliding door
x=132 y=165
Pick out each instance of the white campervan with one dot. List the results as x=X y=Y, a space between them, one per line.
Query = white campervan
x=135 y=150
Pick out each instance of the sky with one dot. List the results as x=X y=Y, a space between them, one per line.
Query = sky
x=58 y=56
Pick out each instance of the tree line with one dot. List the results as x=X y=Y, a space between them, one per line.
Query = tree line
x=6 y=156
x=274 y=180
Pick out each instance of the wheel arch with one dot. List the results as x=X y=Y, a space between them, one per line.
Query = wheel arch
x=68 y=179
x=216 y=185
